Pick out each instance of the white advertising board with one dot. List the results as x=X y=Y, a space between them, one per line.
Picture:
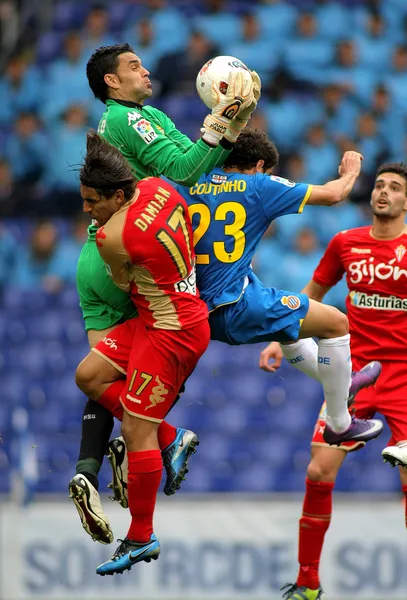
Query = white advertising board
x=218 y=549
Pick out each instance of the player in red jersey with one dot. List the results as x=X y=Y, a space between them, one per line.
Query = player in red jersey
x=146 y=242
x=374 y=259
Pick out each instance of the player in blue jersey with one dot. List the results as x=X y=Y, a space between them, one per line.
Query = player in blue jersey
x=231 y=209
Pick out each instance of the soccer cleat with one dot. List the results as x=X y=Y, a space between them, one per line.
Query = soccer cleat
x=360 y=430
x=175 y=459
x=87 y=501
x=117 y=455
x=364 y=378
x=293 y=592
x=128 y=554
x=396 y=455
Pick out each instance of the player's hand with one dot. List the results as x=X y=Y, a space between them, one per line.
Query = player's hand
x=272 y=352
x=239 y=95
x=239 y=123
x=351 y=163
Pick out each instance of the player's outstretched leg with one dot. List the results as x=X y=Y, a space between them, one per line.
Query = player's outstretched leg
x=396 y=455
x=334 y=372
x=87 y=501
x=293 y=592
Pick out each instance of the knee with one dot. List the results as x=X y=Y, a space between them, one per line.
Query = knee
x=318 y=471
x=85 y=378
x=339 y=323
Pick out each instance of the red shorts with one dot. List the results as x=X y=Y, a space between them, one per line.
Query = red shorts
x=388 y=397
x=156 y=363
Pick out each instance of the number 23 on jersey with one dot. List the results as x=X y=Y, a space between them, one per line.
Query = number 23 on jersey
x=233 y=230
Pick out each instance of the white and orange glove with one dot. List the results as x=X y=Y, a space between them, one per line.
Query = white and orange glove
x=240 y=121
x=239 y=96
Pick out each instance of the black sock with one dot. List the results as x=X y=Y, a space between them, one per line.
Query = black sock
x=97 y=426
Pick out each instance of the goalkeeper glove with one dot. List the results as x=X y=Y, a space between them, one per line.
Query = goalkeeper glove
x=239 y=123
x=239 y=96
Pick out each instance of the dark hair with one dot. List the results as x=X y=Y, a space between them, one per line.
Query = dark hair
x=252 y=145
x=104 y=60
x=105 y=169
x=399 y=168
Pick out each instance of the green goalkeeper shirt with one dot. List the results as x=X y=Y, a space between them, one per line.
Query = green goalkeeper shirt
x=103 y=304
x=154 y=146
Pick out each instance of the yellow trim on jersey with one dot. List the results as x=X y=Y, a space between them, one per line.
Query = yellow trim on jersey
x=305 y=199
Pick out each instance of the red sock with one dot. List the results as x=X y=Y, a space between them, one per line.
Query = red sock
x=110 y=399
x=166 y=435
x=314 y=523
x=404 y=490
x=145 y=470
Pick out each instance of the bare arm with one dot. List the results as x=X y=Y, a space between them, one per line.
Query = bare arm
x=337 y=190
x=315 y=291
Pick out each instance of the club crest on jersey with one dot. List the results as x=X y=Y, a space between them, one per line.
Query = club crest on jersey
x=217 y=178
x=283 y=180
x=400 y=252
x=145 y=130
x=292 y=302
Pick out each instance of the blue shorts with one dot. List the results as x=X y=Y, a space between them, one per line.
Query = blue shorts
x=262 y=314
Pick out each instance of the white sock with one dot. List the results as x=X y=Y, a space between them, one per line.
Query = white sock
x=334 y=369
x=303 y=355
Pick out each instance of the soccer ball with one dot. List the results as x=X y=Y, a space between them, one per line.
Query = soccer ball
x=217 y=71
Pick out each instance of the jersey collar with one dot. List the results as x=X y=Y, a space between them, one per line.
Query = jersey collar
x=127 y=103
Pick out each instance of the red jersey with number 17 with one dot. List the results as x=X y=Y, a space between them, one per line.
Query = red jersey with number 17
x=376 y=274
x=148 y=250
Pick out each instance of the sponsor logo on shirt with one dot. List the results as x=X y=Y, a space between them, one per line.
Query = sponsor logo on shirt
x=283 y=181
x=366 y=268
x=400 y=252
x=363 y=300
x=145 y=130
x=187 y=285
x=361 y=250
x=292 y=302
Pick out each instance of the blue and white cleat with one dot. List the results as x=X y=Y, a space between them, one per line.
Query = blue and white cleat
x=360 y=430
x=128 y=554
x=364 y=378
x=175 y=459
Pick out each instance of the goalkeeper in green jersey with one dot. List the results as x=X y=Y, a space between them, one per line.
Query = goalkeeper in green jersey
x=153 y=146
x=146 y=136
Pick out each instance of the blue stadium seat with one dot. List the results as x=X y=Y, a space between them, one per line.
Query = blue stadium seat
x=49 y=46
x=69 y=15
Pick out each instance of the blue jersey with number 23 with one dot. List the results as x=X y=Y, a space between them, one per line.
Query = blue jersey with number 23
x=230 y=213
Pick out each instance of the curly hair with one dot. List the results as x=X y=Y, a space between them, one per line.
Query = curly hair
x=104 y=60
x=398 y=168
x=252 y=145
x=105 y=169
